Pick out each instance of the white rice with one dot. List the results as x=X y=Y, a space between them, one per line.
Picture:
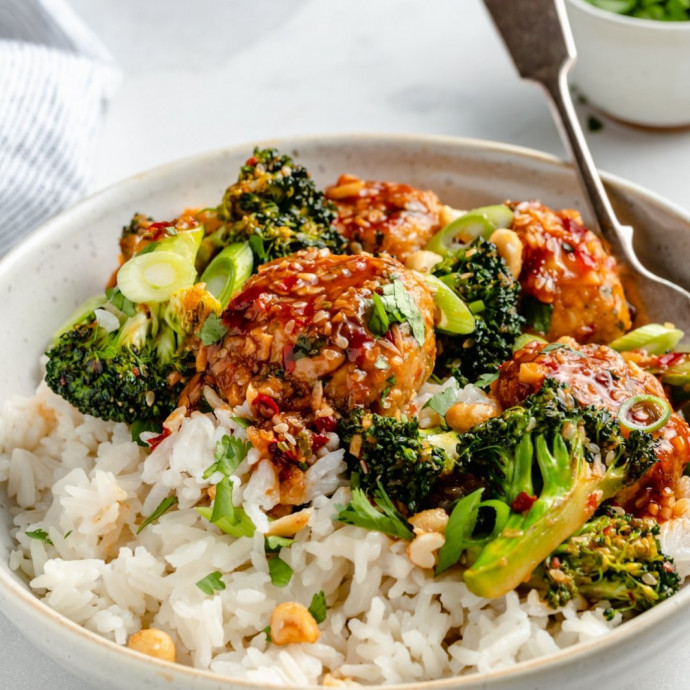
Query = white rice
x=87 y=484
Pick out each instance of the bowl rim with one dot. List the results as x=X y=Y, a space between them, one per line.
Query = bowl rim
x=632 y=22
x=27 y=603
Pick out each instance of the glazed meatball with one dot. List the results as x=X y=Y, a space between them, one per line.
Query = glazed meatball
x=600 y=376
x=303 y=334
x=379 y=217
x=565 y=265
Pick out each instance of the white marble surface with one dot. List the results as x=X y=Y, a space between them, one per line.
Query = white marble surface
x=210 y=73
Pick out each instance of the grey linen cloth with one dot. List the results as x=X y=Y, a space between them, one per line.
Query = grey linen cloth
x=55 y=81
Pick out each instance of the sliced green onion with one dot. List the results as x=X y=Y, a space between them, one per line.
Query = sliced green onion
x=229 y=271
x=478 y=222
x=185 y=243
x=459 y=233
x=80 y=313
x=499 y=215
x=155 y=277
x=476 y=307
x=458 y=532
x=644 y=413
x=526 y=338
x=678 y=374
x=654 y=338
x=454 y=316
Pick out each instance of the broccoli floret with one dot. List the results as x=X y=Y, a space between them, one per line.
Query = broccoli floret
x=614 y=557
x=129 y=362
x=277 y=208
x=394 y=454
x=553 y=462
x=480 y=277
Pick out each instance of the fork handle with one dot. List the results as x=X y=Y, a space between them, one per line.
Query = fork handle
x=537 y=35
x=618 y=236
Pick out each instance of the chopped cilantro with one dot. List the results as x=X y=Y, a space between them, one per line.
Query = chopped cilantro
x=381 y=363
x=391 y=382
x=257 y=245
x=280 y=572
x=485 y=380
x=274 y=543
x=223 y=514
x=213 y=329
x=242 y=421
x=40 y=535
x=395 y=305
x=308 y=347
x=230 y=452
x=211 y=583
x=562 y=346
x=442 y=401
x=163 y=507
x=383 y=517
x=317 y=608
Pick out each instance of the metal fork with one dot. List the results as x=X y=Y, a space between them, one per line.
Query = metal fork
x=537 y=35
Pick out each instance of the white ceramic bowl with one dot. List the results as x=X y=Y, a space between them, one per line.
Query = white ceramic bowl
x=636 y=70
x=69 y=258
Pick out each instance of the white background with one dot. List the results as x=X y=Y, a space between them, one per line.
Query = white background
x=204 y=74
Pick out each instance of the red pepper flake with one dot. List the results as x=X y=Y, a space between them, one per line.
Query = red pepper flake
x=556 y=563
x=265 y=405
x=317 y=441
x=281 y=456
x=325 y=424
x=522 y=502
x=157 y=440
x=668 y=360
x=289 y=358
x=593 y=501
x=252 y=160
x=668 y=567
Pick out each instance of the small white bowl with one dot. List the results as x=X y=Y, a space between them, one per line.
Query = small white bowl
x=637 y=70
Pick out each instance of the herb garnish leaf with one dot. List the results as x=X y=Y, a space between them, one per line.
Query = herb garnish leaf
x=213 y=330
x=317 y=608
x=163 y=507
x=40 y=535
x=211 y=583
x=395 y=305
x=230 y=452
x=280 y=572
x=442 y=401
x=383 y=517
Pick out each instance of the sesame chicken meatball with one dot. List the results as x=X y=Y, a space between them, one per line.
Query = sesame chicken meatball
x=379 y=217
x=566 y=265
x=299 y=334
x=600 y=376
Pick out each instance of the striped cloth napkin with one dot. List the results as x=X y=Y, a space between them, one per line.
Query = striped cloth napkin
x=55 y=82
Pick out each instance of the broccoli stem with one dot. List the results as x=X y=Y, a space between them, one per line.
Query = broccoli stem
x=572 y=491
